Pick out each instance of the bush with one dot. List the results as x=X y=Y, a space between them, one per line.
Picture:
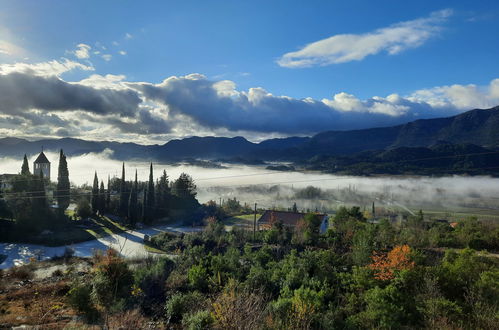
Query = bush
x=83 y=209
x=198 y=277
x=112 y=280
x=198 y=321
x=151 y=282
x=79 y=297
x=180 y=304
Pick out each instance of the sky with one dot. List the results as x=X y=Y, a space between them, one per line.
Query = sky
x=152 y=71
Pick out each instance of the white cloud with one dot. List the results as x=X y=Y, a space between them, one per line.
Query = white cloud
x=82 y=51
x=107 y=57
x=343 y=48
x=128 y=36
x=50 y=68
x=219 y=105
x=462 y=97
x=109 y=81
x=122 y=52
x=8 y=48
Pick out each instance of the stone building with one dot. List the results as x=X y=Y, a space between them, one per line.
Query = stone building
x=42 y=165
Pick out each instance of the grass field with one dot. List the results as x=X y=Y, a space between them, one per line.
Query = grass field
x=68 y=234
x=243 y=221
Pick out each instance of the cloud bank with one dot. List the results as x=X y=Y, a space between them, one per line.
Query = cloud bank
x=35 y=101
x=342 y=48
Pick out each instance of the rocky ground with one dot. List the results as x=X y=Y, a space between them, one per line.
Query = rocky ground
x=35 y=294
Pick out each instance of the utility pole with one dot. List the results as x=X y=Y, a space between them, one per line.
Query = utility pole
x=254 y=226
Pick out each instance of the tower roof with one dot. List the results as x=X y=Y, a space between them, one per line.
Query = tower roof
x=42 y=158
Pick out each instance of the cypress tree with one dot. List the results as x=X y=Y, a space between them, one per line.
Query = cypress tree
x=25 y=166
x=63 y=186
x=123 y=208
x=102 y=198
x=108 y=194
x=144 y=205
x=95 y=194
x=132 y=204
x=39 y=198
x=150 y=197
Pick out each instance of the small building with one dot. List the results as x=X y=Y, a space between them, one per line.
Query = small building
x=42 y=165
x=288 y=219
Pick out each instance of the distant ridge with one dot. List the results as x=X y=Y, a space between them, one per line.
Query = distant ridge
x=479 y=127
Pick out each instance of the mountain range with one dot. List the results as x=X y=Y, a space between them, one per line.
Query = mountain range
x=479 y=127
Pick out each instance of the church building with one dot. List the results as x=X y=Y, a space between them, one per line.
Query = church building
x=42 y=165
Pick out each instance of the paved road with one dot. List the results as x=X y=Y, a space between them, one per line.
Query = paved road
x=130 y=243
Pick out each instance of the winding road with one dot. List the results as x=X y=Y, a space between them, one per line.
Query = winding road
x=129 y=243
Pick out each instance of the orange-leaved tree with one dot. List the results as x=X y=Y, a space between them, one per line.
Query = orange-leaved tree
x=386 y=264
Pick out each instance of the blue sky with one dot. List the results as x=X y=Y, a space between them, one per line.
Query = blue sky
x=254 y=68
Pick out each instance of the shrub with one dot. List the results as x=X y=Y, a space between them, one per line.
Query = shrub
x=83 y=209
x=79 y=297
x=198 y=277
x=112 y=280
x=151 y=282
x=180 y=304
x=198 y=321
x=236 y=308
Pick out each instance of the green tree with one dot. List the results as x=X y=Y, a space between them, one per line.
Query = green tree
x=39 y=197
x=144 y=205
x=363 y=244
x=95 y=194
x=63 y=186
x=25 y=166
x=184 y=187
x=312 y=228
x=83 y=209
x=163 y=195
x=149 y=203
x=102 y=198
x=132 y=204
x=108 y=194
x=123 y=206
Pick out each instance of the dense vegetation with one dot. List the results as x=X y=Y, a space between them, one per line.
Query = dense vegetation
x=356 y=275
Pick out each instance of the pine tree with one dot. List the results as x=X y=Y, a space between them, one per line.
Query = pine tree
x=163 y=193
x=184 y=187
x=95 y=194
x=102 y=198
x=132 y=204
x=63 y=186
x=25 y=166
x=123 y=208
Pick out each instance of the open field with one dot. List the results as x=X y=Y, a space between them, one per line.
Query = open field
x=242 y=221
x=74 y=232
